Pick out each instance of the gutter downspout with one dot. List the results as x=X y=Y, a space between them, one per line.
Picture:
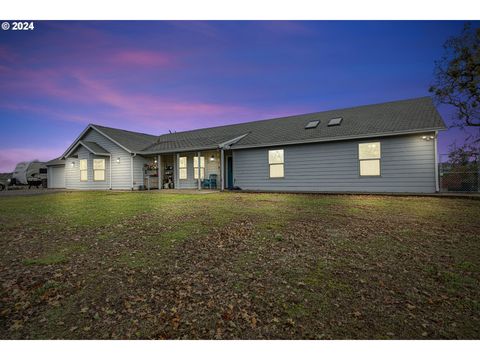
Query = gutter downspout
x=437 y=187
x=222 y=169
x=131 y=165
x=199 y=181
x=110 y=171
x=176 y=179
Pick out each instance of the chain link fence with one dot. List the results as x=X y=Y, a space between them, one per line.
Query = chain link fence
x=463 y=177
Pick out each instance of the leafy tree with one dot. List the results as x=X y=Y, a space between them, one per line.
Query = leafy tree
x=467 y=154
x=457 y=77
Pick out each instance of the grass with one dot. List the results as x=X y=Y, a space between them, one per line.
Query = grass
x=230 y=265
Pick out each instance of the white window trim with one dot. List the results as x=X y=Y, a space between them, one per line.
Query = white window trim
x=379 y=159
x=80 y=169
x=181 y=168
x=103 y=170
x=270 y=164
x=195 y=168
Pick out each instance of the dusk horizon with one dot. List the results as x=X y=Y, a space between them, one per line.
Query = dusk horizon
x=160 y=76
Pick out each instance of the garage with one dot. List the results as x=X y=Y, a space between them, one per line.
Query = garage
x=56 y=174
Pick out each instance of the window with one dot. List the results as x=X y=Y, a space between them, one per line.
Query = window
x=43 y=170
x=369 y=157
x=335 y=122
x=202 y=167
x=98 y=169
x=182 y=167
x=83 y=170
x=312 y=124
x=275 y=161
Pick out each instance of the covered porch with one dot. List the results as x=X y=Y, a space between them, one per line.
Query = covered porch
x=199 y=170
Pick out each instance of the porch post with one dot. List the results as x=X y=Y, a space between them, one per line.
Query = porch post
x=176 y=171
x=222 y=169
x=199 y=181
x=110 y=171
x=159 y=171
x=437 y=187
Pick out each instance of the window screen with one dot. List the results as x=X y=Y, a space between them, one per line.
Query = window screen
x=369 y=155
x=83 y=170
x=202 y=167
x=98 y=169
x=182 y=167
x=276 y=163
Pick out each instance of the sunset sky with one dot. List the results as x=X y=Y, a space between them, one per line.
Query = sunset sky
x=158 y=76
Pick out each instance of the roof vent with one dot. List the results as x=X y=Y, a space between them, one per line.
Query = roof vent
x=335 y=122
x=312 y=124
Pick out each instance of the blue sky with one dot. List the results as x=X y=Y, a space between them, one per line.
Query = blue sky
x=178 y=75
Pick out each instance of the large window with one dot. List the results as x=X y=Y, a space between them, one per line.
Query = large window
x=275 y=161
x=182 y=168
x=369 y=156
x=83 y=170
x=98 y=169
x=202 y=167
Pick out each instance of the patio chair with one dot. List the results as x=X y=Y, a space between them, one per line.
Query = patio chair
x=210 y=183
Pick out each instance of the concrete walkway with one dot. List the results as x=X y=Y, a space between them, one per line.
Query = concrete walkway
x=186 y=191
x=28 y=192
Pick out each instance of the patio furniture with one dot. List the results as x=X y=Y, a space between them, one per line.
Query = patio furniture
x=211 y=182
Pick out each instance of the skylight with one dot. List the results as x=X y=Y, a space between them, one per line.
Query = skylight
x=334 y=122
x=312 y=124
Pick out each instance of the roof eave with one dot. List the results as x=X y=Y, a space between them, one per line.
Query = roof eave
x=338 y=138
x=213 y=147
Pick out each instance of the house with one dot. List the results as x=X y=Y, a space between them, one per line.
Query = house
x=388 y=147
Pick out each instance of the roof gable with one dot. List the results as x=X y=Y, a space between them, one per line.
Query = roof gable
x=129 y=140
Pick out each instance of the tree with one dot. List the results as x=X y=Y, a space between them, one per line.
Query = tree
x=457 y=77
x=464 y=155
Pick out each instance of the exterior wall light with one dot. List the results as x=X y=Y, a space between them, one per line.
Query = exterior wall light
x=72 y=164
x=118 y=160
x=212 y=157
x=428 y=138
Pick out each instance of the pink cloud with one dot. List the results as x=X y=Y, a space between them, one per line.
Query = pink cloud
x=146 y=107
x=142 y=58
x=10 y=157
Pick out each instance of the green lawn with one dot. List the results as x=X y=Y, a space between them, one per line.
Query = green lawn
x=231 y=265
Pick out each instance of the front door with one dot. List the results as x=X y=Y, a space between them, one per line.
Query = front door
x=229 y=172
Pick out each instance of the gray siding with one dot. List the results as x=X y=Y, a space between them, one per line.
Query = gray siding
x=138 y=170
x=121 y=171
x=407 y=165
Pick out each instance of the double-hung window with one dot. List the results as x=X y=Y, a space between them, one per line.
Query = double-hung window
x=182 y=168
x=83 y=170
x=276 y=163
x=98 y=169
x=202 y=167
x=369 y=155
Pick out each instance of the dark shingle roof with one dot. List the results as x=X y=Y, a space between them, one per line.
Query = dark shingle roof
x=394 y=117
x=56 y=161
x=94 y=147
x=379 y=119
x=133 y=141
